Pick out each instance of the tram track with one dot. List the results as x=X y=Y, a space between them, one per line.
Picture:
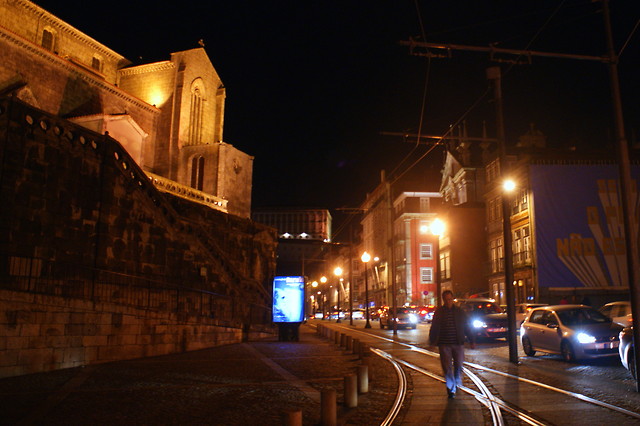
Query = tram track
x=497 y=394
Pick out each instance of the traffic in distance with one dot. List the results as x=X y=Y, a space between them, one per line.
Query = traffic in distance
x=575 y=332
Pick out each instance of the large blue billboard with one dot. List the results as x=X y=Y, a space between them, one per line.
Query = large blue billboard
x=580 y=239
x=288 y=299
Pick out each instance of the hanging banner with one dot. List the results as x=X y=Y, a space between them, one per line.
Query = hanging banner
x=579 y=227
x=288 y=299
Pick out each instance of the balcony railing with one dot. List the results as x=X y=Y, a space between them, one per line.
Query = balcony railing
x=187 y=192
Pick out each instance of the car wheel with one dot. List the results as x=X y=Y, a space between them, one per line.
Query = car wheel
x=414 y=327
x=631 y=362
x=567 y=351
x=526 y=345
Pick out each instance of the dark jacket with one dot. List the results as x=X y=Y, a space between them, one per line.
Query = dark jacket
x=462 y=325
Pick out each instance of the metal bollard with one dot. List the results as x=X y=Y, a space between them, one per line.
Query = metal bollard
x=336 y=336
x=350 y=391
x=355 y=347
x=363 y=378
x=293 y=418
x=343 y=338
x=328 y=408
x=349 y=343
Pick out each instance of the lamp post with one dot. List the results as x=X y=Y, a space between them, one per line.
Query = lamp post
x=508 y=186
x=338 y=273
x=314 y=298
x=437 y=229
x=366 y=257
x=323 y=281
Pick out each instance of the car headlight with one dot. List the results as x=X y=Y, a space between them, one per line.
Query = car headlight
x=413 y=318
x=585 y=338
x=478 y=324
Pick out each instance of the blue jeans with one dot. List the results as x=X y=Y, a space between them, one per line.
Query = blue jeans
x=451 y=359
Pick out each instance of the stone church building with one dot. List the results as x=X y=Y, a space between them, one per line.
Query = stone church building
x=168 y=115
x=125 y=226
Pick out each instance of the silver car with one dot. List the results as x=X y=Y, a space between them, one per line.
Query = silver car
x=573 y=331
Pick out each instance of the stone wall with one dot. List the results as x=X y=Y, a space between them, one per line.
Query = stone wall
x=90 y=225
x=42 y=333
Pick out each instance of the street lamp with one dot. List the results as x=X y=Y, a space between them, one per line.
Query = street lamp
x=508 y=185
x=366 y=257
x=338 y=273
x=323 y=281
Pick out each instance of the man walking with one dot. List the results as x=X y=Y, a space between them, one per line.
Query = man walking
x=448 y=330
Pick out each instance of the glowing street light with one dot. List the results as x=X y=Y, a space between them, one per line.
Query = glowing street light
x=508 y=185
x=366 y=257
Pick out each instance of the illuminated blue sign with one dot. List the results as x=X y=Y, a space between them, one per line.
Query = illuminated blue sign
x=288 y=299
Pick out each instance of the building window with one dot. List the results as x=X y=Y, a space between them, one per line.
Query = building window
x=522 y=245
x=197 y=173
x=48 y=39
x=445 y=265
x=495 y=255
x=426 y=275
x=196 y=112
x=493 y=171
x=426 y=251
x=424 y=205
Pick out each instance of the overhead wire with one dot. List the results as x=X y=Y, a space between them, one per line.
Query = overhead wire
x=463 y=116
x=424 y=96
x=483 y=95
x=624 y=46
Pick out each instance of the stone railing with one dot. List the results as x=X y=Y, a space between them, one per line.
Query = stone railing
x=172 y=187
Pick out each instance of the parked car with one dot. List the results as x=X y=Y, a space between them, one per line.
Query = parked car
x=522 y=309
x=486 y=318
x=425 y=313
x=627 y=350
x=405 y=317
x=573 y=331
x=619 y=312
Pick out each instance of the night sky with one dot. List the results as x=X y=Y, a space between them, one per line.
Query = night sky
x=311 y=84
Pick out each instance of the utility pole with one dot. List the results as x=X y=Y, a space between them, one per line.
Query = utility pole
x=622 y=149
x=392 y=267
x=493 y=74
x=624 y=169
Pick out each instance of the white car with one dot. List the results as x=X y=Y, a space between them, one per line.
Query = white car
x=522 y=309
x=619 y=312
x=574 y=331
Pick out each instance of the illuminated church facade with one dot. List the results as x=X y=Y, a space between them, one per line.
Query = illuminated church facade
x=168 y=115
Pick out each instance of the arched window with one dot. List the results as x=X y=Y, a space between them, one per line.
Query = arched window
x=197 y=173
x=197 y=106
x=48 y=39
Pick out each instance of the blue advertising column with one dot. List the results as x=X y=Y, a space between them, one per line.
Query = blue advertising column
x=288 y=306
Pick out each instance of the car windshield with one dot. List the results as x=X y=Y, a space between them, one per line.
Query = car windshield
x=581 y=316
x=482 y=308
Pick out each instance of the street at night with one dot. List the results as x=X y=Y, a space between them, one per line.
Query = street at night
x=218 y=212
